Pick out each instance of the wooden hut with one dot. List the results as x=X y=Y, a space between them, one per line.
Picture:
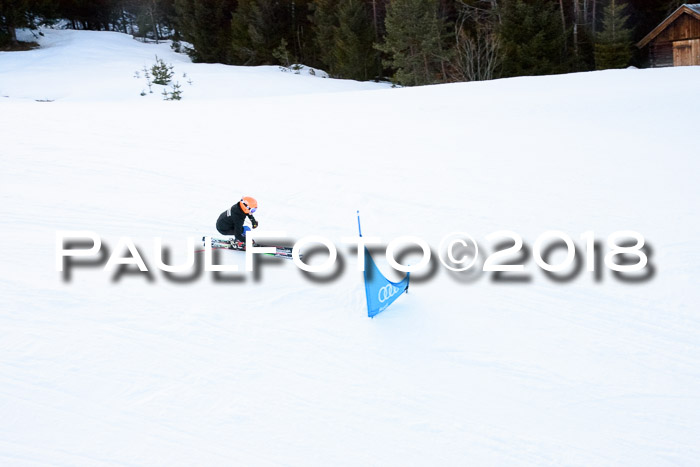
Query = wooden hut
x=676 y=41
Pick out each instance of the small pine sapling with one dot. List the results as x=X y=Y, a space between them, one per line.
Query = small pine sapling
x=176 y=93
x=162 y=72
x=282 y=54
x=148 y=79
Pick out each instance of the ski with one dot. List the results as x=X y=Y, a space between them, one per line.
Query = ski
x=225 y=244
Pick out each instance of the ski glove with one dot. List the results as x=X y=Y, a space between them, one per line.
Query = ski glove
x=254 y=222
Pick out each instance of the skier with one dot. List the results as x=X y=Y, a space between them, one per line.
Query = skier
x=230 y=222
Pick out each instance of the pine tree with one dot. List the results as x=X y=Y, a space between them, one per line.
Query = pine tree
x=16 y=14
x=344 y=39
x=162 y=72
x=532 y=39
x=613 y=44
x=259 y=26
x=413 y=42
x=255 y=31
x=13 y=15
x=325 y=24
x=353 y=48
x=206 y=24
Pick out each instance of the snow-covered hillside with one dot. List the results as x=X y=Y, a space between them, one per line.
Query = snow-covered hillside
x=95 y=66
x=278 y=369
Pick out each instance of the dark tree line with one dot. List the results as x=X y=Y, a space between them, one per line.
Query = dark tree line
x=414 y=42
x=146 y=18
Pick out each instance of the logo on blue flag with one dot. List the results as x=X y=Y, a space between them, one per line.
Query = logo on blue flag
x=380 y=291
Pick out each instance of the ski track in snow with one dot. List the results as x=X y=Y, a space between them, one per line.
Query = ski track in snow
x=286 y=371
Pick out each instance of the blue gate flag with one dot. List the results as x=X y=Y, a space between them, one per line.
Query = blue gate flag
x=380 y=291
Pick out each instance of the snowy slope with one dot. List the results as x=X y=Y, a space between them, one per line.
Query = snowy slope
x=101 y=66
x=282 y=370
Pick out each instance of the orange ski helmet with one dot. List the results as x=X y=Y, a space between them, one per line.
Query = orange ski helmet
x=248 y=205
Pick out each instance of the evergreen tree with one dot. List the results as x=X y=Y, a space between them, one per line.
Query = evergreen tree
x=585 y=59
x=264 y=30
x=353 y=47
x=13 y=15
x=613 y=44
x=16 y=14
x=167 y=15
x=155 y=18
x=206 y=24
x=95 y=15
x=413 y=42
x=532 y=39
x=344 y=37
x=325 y=24
x=255 y=32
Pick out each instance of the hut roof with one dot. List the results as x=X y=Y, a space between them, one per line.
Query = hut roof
x=692 y=9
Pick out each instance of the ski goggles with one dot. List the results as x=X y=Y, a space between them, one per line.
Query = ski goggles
x=250 y=210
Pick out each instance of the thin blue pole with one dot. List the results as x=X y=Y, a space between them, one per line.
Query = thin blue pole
x=359 y=228
x=358 y=222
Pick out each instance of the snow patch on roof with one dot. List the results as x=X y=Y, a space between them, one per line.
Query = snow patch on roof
x=694 y=6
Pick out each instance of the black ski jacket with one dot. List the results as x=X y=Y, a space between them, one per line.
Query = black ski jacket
x=231 y=222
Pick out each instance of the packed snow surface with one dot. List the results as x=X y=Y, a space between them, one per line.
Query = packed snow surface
x=274 y=368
